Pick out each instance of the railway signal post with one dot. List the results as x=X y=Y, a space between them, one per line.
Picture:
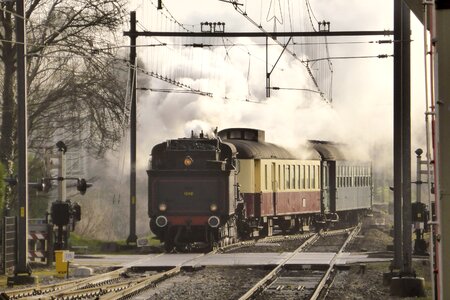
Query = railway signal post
x=419 y=216
x=65 y=214
x=22 y=271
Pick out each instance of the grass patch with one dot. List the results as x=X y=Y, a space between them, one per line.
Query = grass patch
x=84 y=245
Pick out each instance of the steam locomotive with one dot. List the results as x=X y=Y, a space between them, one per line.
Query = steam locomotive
x=207 y=191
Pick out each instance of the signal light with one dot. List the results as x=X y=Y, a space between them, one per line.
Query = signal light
x=76 y=211
x=45 y=185
x=82 y=186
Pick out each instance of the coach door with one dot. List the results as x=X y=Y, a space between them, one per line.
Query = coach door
x=325 y=189
x=274 y=187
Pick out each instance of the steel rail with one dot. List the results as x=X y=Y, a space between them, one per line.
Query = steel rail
x=268 y=278
x=99 y=291
x=66 y=286
x=267 y=239
x=142 y=284
x=31 y=291
x=322 y=282
x=80 y=284
x=150 y=280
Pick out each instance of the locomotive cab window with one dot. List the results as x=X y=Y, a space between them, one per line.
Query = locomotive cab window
x=235 y=134
x=250 y=135
x=149 y=165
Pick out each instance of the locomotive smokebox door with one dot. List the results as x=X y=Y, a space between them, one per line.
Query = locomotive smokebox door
x=60 y=213
x=418 y=212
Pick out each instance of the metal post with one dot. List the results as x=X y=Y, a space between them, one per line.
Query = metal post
x=267 y=69
x=442 y=161
x=419 y=175
x=406 y=139
x=132 y=238
x=22 y=239
x=62 y=176
x=398 y=260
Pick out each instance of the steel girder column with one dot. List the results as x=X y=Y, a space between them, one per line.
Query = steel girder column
x=398 y=258
x=406 y=139
x=442 y=63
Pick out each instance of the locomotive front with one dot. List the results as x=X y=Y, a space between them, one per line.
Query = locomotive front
x=192 y=191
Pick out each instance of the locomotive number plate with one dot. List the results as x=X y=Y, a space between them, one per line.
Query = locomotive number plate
x=189 y=194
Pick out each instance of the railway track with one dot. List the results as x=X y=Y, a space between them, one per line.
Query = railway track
x=116 y=284
x=123 y=284
x=298 y=283
x=266 y=240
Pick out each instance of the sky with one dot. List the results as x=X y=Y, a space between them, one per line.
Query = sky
x=360 y=115
x=361 y=111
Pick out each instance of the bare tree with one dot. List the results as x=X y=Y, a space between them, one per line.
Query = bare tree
x=75 y=89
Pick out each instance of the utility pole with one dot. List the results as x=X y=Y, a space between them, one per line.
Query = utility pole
x=442 y=161
x=404 y=283
x=132 y=238
x=406 y=138
x=397 y=263
x=22 y=272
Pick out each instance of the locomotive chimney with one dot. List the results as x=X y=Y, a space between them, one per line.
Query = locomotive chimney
x=201 y=134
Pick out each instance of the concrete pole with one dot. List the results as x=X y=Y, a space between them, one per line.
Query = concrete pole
x=22 y=126
x=397 y=263
x=132 y=238
x=406 y=139
x=442 y=64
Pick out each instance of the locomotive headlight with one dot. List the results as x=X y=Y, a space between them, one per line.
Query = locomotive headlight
x=162 y=207
x=213 y=207
x=188 y=161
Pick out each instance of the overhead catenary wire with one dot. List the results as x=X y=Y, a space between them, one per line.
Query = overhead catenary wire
x=309 y=71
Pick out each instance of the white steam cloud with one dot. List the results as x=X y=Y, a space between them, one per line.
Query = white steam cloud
x=360 y=115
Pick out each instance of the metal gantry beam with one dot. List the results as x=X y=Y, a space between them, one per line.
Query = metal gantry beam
x=258 y=34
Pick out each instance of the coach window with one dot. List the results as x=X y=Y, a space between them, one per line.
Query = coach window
x=317 y=177
x=352 y=183
x=279 y=177
x=294 y=176
x=338 y=176
x=302 y=176
x=287 y=177
x=344 y=176
x=308 y=177
x=298 y=177
x=294 y=180
x=265 y=177
x=313 y=179
x=349 y=176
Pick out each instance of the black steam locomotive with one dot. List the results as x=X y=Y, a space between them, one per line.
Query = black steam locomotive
x=205 y=191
